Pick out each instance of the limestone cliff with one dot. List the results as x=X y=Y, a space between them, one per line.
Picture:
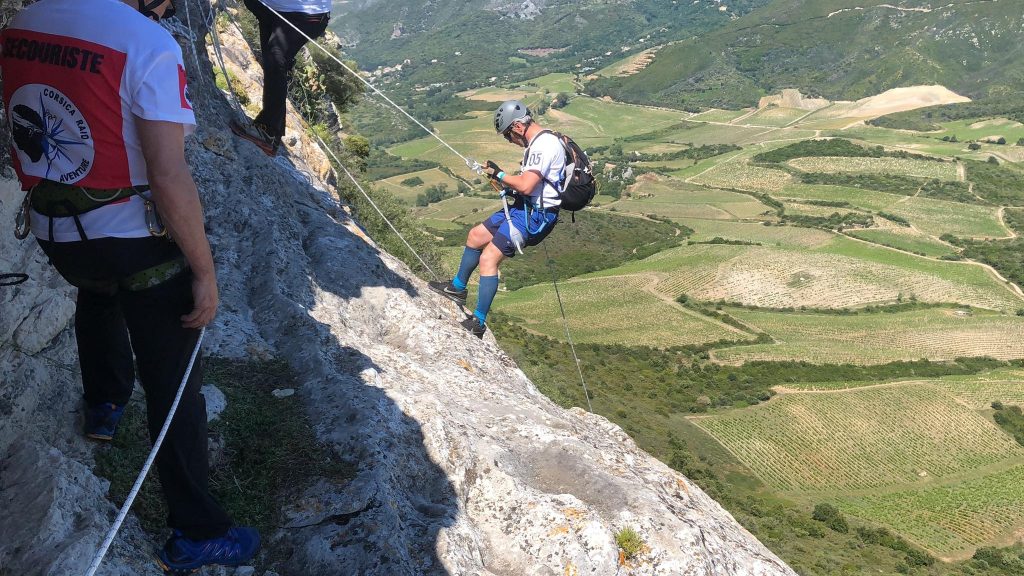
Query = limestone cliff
x=463 y=467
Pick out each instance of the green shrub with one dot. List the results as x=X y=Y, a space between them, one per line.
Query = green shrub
x=630 y=542
x=830 y=516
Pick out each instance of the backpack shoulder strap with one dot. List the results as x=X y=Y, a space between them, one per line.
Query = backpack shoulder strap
x=565 y=149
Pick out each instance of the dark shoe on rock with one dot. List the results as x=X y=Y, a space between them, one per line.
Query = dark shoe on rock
x=448 y=290
x=101 y=420
x=181 y=555
x=257 y=135
x=473 y=325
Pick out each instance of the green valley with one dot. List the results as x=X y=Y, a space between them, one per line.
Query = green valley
x=808 y=304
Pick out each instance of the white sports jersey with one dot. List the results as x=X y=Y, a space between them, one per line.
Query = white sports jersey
x=77 y=73
x=545 y=156
x=305 y=6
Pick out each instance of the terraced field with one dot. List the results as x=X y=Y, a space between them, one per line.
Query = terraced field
x=905 y=239
x=905 y=456
x=905 y=166
x=840 y=274
x=742 y=176
x=457 y=212
x=612 y=311
x=716 y=115
x=407 y=194
x=935 y=334
x=877 y=437
x=930 y=216
x=777 y=236
x=953 y=519
x=672 y=198
x=979 y=393
x=777 y=117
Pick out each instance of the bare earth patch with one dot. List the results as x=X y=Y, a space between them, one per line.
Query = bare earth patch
x=903 y=99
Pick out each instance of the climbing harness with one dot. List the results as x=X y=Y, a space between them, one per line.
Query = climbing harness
x=513 y=233
x=123 y=513
x=55 y=200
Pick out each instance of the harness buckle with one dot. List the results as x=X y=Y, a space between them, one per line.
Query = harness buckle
x=23 y=219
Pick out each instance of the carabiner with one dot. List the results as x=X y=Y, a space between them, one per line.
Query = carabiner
x=156 y=227
x=23 y=219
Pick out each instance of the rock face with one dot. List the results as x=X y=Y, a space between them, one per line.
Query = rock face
x=463 y=466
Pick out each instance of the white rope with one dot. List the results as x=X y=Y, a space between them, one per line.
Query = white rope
x=565 y=324
x=177 y=28
x=149 y=463
x=351 y=176
x=375 y=207
x=220 y=57
x=471 y=164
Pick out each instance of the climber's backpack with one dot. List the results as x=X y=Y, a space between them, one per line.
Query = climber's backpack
x=579 y=186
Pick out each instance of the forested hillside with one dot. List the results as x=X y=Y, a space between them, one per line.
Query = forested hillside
x=837 y=49
x=486 y=38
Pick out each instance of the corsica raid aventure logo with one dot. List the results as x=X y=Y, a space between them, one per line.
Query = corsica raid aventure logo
x=50 y=130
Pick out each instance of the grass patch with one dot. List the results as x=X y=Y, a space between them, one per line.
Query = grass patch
x=630 y=542
x=270 y=449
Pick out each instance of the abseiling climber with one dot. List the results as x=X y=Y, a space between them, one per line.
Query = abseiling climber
x=96 y=94
x=531 y=218
x=279 y=45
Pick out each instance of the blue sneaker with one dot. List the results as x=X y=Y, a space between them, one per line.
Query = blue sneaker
x=236 y=547
x=101 y=420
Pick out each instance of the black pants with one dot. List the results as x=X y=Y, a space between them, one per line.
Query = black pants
x=280 y=43
x=111 y=324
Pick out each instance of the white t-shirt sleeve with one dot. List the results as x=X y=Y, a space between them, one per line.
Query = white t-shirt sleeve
x=161 y=92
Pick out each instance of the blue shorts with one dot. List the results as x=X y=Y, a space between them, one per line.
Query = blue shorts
x=541 y=223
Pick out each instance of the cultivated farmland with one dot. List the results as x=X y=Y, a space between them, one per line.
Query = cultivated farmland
x=907 y=166
x=950 y=519
x=913 y=451
x=861 y=438
x=872 y=338
x=613 y=310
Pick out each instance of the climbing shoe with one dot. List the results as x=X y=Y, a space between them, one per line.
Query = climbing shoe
x=473 y=325
x=101 y=420
x=182 y=556
x=448 y=290
x=257 y=135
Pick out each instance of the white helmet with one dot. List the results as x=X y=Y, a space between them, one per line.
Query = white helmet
x=509 y=112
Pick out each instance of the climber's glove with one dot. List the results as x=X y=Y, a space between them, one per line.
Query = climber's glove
x=493 y=171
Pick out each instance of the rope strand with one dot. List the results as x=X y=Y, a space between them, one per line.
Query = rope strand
x=471 y=164
x=123 y=513
x=565 y=324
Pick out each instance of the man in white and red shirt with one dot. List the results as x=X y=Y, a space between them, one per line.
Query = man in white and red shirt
x=96 y=96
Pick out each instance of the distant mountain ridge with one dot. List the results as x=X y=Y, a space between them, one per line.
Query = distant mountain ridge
x=837 y=49
x=474 y=40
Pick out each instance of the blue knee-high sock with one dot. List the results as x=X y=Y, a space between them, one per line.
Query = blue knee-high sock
x=470 y=260
x=488 y=288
